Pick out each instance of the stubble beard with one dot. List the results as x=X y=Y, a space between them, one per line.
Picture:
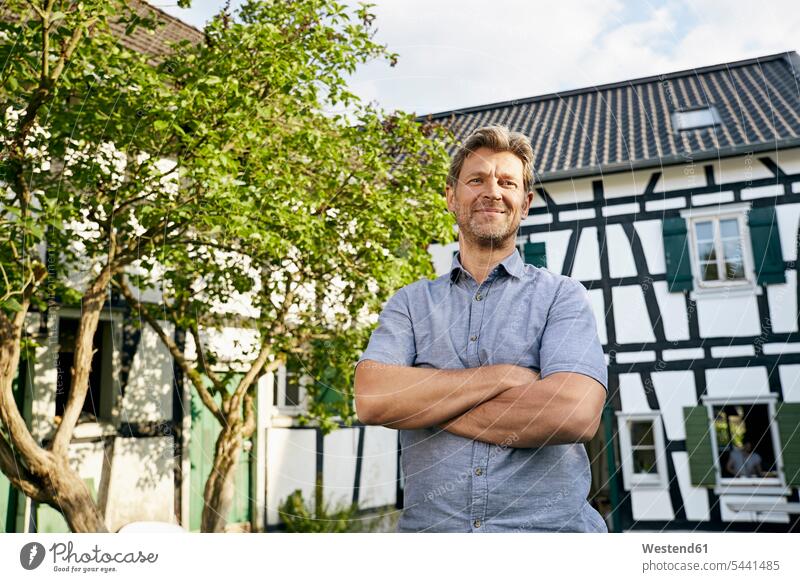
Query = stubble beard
x=486 y=234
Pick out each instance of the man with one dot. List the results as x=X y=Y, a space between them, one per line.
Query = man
x=743 y=462
x=492 y=372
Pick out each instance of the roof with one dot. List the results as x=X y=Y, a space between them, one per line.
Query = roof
x=629 y=124
x=155 y=44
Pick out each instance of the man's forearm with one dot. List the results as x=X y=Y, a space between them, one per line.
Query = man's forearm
x=550 y=411
x=407 y=397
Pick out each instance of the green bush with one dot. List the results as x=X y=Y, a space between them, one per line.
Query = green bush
x=298 y=516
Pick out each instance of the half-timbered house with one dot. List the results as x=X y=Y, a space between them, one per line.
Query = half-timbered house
x=674 y=199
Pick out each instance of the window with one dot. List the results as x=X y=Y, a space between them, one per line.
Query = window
x=695 y=118
x=289 y=392
x=721 y=249
x=98 y=402
x=744 y=442
x=642 y=448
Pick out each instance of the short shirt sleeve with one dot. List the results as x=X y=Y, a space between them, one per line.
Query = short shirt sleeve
x=569 y=340
x=392 y=342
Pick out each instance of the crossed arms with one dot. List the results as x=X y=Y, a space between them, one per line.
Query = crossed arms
x=500 y=404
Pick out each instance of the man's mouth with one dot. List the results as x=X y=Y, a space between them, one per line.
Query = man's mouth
x=491 y=210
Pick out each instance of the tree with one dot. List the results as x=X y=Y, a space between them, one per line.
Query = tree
x=331 y=212
x=91 y=180
x=218 y=177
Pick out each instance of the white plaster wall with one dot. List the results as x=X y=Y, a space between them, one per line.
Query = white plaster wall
x=599 y=310
x=620 y=255
x=733 y=316
x=681 y=177
x=674 y=389
x=787 y=216
x=141 y=483
x=555 y=244
x=379 y=467
x=291 y=464
x=339 y=465
x=630 y=315
x=782 y=299
x=442 y=257
x=631 y=394
x=148 y=395
x=650 y=233
x=790 y=382
x=739 y=169
x=651 y=504
x=737 y=382
x=570 y=191
x=626 y=183
x=587 y=256
x=788 y=160
x=674 y=314
x=695 y=499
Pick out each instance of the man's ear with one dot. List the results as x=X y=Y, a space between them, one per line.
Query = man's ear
x=450 y=195
x=528 y=201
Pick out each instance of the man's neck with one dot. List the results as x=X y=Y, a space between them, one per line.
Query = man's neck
x=479 y=261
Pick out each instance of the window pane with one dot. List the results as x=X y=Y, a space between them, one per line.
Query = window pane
x=729 y=228
x=642 y=433
x=644 y=461
x=709 y=271
x=734 y=270
x=706 y=251
x=732 y=250
x=704 y=230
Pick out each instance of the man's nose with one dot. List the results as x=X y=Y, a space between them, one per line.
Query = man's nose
x=493 y=189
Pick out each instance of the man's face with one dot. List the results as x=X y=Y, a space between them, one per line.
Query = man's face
x=489 y=200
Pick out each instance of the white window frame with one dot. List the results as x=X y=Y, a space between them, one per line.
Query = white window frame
x=633 y=480
x=280 y=404
x=739 y=212
x=751 y=484
x=681 y=119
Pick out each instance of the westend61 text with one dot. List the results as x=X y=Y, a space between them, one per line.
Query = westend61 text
x=671 y=549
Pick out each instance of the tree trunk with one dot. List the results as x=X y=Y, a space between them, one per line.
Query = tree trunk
x=41 y=474
x=219 y=490
x=72 y=498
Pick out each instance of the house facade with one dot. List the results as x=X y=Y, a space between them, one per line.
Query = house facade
x=675 y=201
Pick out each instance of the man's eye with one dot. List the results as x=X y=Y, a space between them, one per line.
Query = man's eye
x=475 y=180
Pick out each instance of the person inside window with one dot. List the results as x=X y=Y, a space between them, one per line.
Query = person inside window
x=744 y=462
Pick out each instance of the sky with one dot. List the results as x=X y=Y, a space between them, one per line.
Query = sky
x=460 y=53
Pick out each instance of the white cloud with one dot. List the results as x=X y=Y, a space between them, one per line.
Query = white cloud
x=456 y=53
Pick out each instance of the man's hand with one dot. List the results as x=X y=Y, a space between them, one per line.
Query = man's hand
x=409 y=398
x=564 y=407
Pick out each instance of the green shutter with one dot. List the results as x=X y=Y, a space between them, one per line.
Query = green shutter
x=535 y=254
x=205 y=430
x=788 y=418
x=766 y=243
x=698 y=446
x=676 y=255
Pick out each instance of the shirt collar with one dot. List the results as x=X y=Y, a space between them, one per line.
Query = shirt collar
x=512 y=265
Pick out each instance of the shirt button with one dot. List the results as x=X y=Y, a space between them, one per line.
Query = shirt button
x=478 y=297
x=479 y=471
x=473 y=338
x=477 y=523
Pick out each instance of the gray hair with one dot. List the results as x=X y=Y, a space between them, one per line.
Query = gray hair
x=499 y=139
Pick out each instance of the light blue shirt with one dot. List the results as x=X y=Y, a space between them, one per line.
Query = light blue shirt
x=520 y=315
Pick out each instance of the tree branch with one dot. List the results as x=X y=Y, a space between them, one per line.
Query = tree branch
x=190 y=371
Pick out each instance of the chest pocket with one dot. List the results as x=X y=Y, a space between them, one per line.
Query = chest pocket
x=510 y=344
